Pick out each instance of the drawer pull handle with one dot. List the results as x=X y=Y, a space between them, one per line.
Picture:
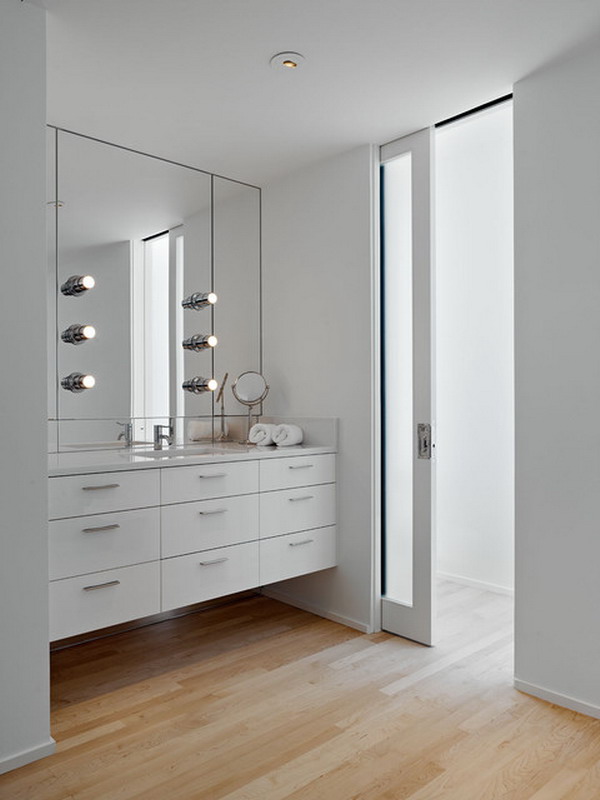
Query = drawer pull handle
x=300 y=466
x=297 y=544
x=303 y=497
x=214 y=475
x=100 y=586
x=101 y=528
x=214 y=561
x=104 y=486
x=214 y=511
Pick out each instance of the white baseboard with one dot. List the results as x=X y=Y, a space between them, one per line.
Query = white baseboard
x=27 y=756
x=486 y=587
x=558 y=699
x=320 y=612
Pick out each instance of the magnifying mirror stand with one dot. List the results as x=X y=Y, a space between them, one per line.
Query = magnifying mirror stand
x=222 y=437
x=250 y=389
x=249 y=425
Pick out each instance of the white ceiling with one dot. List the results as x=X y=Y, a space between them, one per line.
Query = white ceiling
x=190 y=79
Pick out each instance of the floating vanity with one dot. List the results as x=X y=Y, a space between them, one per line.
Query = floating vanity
x=134 y=533
x=143 y=248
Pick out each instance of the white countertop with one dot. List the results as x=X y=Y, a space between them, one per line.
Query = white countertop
x=90 y=461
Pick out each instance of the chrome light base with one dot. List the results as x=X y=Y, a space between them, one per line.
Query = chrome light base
x=199 y=385
x=76 y=334
x=78 y=382
x=199 y=342
x=199 y=300
x=77 y=284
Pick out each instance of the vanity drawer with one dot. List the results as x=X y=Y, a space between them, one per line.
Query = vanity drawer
x=296 y=554
x=297 y=509
x=189 y=527
x=286 y=473
x=213 y=573
x=101 y=599
x=181 y=484
x=75 y=495
x=106 y=541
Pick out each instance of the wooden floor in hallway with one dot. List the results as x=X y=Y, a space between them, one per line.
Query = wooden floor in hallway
x=261 y=701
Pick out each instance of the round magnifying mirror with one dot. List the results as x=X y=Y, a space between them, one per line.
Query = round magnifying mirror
x=250 y=388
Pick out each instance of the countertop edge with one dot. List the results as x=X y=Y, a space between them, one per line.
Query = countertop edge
x=103 y=461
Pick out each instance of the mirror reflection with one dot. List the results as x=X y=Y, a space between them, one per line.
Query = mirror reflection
x=155 y=286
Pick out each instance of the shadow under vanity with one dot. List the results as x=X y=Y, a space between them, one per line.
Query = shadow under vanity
x=139 y=249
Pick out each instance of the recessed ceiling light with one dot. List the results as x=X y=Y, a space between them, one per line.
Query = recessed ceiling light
x=287 y=60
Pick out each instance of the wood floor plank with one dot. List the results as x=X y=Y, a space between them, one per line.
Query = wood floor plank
x=261 y=701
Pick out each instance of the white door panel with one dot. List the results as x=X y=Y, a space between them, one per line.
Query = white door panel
x=407 y=176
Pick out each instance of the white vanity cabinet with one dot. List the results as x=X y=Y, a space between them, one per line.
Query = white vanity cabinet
x=297 y=516
x=129 y=544
x=104 y=550
x=210 y=547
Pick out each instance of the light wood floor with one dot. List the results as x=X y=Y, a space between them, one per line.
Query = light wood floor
x=260 y=701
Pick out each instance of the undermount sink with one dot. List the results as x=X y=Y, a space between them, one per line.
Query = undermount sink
x=187 y=452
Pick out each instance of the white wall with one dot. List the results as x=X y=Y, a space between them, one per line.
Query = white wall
x=474 y=348
x=24 y=718
x=557 y=288
x=317 y=348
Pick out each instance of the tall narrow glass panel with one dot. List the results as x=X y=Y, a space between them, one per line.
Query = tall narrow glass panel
x=156 y=333
x=398 y=379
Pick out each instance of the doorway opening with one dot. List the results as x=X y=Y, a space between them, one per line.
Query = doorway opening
x=461 y=554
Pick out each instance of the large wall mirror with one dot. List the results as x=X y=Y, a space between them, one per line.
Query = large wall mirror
x=150 y=233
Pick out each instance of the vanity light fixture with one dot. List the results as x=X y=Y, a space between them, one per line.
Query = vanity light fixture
x=76 y=334
x=199 y=385
x=78 y=382
x=287 y=61
x=199 y=342
x=199 y=300
x=77 y=284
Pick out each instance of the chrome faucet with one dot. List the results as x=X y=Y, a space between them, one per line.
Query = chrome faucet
x=126 y=434
x=159 y=436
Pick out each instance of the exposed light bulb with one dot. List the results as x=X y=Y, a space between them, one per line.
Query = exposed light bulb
x=199 y=300
x=199 y=385
x=199 y=342
x=77 y=284
x=78 y=333
x=78 y=382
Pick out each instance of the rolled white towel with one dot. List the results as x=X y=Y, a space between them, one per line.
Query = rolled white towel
x=262 y=433
x=286 y=435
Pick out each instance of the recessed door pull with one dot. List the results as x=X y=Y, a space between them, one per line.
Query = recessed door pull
x=214 y=475
x=304 y=497
x=297 y=544
x=214 y=561
x=101 y=528
x=104 y=486
x=214 y=511
x=424 y=443
x=300 y=466
x=100 y=586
